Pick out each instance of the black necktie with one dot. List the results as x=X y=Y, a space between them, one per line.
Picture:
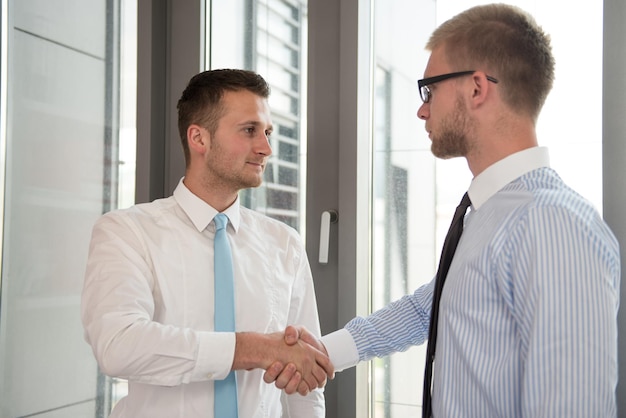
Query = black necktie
x=449 y=247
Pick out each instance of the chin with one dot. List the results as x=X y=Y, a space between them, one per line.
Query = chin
x=254 y=183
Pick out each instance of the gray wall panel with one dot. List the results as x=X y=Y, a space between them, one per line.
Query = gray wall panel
x=614 y=157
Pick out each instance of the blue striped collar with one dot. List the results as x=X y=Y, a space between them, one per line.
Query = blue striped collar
x=498 y=175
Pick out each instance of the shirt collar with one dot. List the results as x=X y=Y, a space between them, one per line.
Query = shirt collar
x=201 y=213
x=498 y=175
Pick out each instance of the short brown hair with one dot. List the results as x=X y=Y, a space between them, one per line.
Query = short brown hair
x=506 y=43
x=201 y=104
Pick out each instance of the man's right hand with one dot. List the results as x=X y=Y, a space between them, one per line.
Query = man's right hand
x=285 y=375
x=305 y=362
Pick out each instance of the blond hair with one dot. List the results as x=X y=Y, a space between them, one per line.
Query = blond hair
x=506 y=43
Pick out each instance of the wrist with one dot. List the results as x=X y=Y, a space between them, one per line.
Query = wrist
x=252 y=351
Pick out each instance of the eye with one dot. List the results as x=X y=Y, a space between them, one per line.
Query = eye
x=425 y=94
x=249 y=130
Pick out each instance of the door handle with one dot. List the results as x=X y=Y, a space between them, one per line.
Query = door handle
x=328 y=217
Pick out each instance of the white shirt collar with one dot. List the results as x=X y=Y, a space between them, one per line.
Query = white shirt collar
x=498 y=175
x=200 y=212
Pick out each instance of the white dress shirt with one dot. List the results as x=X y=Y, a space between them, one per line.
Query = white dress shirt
x=528 y=314
x=147 y=305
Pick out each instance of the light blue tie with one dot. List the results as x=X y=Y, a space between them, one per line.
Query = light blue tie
x=225 y=390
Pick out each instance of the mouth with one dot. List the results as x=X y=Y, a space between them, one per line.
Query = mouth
x=259 y=164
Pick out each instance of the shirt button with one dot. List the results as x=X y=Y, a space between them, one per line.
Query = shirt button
x=209 y=375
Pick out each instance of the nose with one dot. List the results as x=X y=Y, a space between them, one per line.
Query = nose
x=264 y=147
x=423 y=111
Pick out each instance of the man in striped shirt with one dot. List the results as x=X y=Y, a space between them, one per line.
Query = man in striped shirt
x=528 y=315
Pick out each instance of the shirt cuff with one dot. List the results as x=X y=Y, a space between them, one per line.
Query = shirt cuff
x=216 y=353
x=341 y=349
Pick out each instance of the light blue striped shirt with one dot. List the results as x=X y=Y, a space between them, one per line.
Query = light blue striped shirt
x=528 y=319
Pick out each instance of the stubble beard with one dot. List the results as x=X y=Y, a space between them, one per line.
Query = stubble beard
x=232 y=180
x=453 y=140
x=222 y=173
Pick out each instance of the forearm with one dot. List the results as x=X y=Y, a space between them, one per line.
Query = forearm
x=254 y=351
x=396 y=327
x=166 y=356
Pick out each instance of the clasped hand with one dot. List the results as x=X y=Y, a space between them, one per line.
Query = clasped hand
x=304 y=378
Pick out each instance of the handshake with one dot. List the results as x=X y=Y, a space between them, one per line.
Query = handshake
x=295 y=361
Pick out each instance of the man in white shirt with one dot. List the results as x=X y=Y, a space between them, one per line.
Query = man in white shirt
x=147 y=304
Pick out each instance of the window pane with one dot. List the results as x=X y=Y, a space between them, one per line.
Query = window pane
x=404 y=181
x=415 y=194
x=62 y=171
x=271 y=42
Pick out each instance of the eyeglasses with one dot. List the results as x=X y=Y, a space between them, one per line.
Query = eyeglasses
x=423 y=84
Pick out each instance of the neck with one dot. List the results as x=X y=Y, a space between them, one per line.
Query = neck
x=497 y=144
x=217 y=197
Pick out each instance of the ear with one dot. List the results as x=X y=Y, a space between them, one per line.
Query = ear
x=481 y=88
x=197 y=138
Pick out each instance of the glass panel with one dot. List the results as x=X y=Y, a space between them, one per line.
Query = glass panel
x=63 y=156
x=116 y=388
x=270 y=42
x=415 y=195
x=404 y=181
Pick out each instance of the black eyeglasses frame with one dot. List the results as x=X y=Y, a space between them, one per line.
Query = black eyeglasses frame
x=423 y=84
